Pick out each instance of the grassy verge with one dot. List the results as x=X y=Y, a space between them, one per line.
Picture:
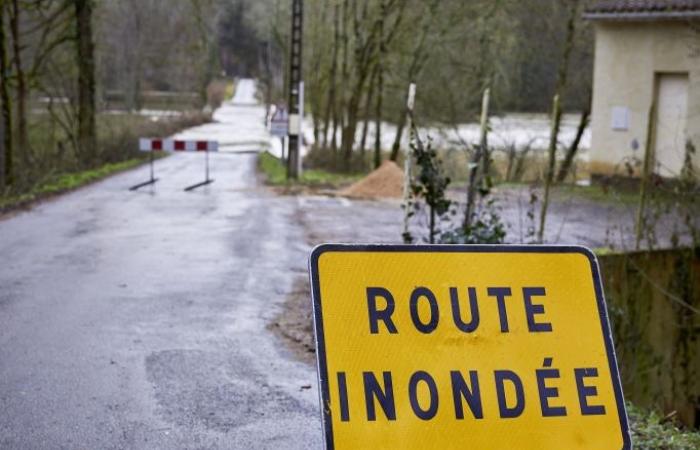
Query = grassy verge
x=276 y=174
x=600 y=194
x=55 y=167
x=650 y=431
x=66 y=182
x=594 y=193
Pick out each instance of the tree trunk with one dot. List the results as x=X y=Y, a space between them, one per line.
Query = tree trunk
x=340 y=119
x=6 y=104
x=380 y=88
x=368 y=107
x=417 y=63
x=87 y=133
x=353 y=109
x=556 y=114
x=316 y=87
x=573 y=148
x=364 y=60
x=378 y=116
x=330 y=106
x=22 y=90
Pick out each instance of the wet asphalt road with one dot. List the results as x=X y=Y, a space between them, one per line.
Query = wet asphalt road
x=138 y=319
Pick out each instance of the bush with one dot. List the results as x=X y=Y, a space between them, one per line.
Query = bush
x=118 y=135
x=217 y=92
x=485 y=228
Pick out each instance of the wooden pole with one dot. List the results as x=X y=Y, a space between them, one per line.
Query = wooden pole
x=646 y=172
x=410 y=104
x=479 y=163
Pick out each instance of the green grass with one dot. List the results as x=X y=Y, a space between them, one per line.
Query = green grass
x=66 y=182
x=276 y=174
x=650 y=431
x=55 y=167
x=599 y=194
x=594 y=193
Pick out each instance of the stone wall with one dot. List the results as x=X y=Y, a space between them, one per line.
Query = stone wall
x=654 y=304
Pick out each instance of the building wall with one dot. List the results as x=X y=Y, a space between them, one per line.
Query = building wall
x=657 y=339
x=628 y=55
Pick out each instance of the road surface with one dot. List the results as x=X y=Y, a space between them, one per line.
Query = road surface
x=138 y=319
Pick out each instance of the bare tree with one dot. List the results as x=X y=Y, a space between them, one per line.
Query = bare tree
x=87 y=131
x=556 y=114
x=5 y=102
x=571 y=152
x=369 y=98
x=331 y=111
x=381 y=56
x=22 y=90
x=365 y=46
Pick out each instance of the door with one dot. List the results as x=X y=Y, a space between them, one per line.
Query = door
x=672 y=111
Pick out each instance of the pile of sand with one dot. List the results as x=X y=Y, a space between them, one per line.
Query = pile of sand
x=385 y=182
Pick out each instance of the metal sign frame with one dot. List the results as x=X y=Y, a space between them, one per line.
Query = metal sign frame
x=322 y=368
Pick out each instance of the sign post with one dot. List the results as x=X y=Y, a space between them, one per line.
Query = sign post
x=465 y=347
x=147 y=145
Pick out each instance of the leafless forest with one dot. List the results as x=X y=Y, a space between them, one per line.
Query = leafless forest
x=76 y=73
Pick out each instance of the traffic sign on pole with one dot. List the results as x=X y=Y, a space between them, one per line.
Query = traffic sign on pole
x=279 y=123
x=465 y=347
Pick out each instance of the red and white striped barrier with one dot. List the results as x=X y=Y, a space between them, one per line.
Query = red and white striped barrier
x=174 y=145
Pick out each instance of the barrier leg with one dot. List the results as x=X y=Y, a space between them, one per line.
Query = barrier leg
x=152 y=180
x=207 y=180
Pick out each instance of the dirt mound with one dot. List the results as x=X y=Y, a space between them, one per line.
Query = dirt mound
x=384 y=182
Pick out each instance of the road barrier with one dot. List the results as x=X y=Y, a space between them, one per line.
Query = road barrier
x=174 y=145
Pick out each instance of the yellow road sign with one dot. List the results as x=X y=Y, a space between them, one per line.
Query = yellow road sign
x=483 y=347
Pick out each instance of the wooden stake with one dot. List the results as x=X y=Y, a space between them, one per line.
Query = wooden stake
x=410 y=104
x=479 y=161
x=646 y=172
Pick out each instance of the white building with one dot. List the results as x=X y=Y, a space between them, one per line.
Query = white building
x=647 y=53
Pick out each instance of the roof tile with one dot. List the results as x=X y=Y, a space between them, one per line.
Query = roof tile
x=623 y=7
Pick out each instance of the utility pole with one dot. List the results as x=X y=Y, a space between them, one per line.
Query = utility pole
x=295 y=91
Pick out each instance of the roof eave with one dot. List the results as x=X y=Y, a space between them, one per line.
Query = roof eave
x=642 y=16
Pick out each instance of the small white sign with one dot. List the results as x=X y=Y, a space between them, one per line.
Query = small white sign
x=620 y=118
x=294 y=124
x=279 y=124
